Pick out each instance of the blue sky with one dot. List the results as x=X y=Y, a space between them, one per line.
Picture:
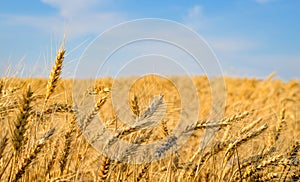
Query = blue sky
x=250 y=37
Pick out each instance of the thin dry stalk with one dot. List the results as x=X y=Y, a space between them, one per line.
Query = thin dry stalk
x=32 y=155
x=53 y=158
x=253 y=160
x=67 y=145
x=215 y=149
x=3 y=144
x=235 y=144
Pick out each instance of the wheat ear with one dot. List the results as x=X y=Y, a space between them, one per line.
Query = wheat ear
x=104 y=168
x=252 y=170
x=250 y=126
x=143 y=172
x=84 y=123
x=265 y=177
x=21 y=122
x=55 y=73
x=150 y=114
x=164 y=128
x=232 y=146
x=280 y=125
x=134 y=105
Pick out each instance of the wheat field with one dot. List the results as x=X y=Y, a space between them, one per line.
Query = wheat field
x=42 y=139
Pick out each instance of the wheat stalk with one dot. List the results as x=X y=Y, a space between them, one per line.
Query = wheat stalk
x=3 y=144
x=32 y=155
x=67 y=145
x=53 y=158
x=235 y=144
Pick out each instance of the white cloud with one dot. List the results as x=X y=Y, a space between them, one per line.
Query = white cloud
x=69 y=8
x=74 y=17
x=194 y=18
x=195 y=11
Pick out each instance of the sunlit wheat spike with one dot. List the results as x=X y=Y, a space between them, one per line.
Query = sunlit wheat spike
x=164 y=128
x=236 y=117
x=104 y=168
x=295 y=147
x=84 y=123
x=267 y=177
x=154 y=110
x=250 y=126
x=134 y=105
x=155 y=107
x=280 y=124
x=143 y=171
x=232 y=146
x=61 y=108
x=21 y=122
x=55 y=73
x=252 y=170
x=253 y=160
x=171 y=141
